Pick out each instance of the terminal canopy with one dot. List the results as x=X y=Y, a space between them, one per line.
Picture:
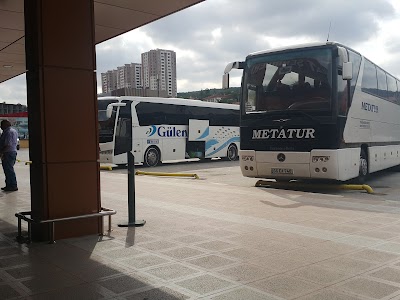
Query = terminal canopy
x=112 y=17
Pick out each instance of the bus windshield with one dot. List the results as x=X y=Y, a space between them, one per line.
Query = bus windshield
x=106 y=125
x=290 y=80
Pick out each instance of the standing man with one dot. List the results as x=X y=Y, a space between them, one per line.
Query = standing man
x=8 y=152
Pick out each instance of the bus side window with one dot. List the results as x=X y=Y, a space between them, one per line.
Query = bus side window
x=398 y=92
x=343 y=95
x=382 y=84
x=356 y=60
x=392 y=88
x=369 y=81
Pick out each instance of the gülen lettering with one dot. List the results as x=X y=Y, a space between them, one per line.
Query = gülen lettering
x=291 y=133
x=169 y=131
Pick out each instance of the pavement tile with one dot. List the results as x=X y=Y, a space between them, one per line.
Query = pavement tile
x=329 y=295
x=245 y=273
x=159 y=293
x=125 y=283
x=190 y=239
x=319 y=275
x=143 y=261
x=9 y=292
x=204 y=284
x=379 y=234
x=245 y=253
x=369 y=288
x=122 y=252
x=183 y=252
x=45 y=283
x=243 y=293
x=361 y=241
x=285 y=286
x=387 y=273
x=210 y=262
x=347 y=265
x=158 y=245
x=215 y=245
x=374 y=256
x=389 y=247
x=172 y=271
x=84 y=291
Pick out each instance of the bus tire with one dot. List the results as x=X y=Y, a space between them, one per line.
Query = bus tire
x=152 y=157
x=363 y=171
x=232 y=153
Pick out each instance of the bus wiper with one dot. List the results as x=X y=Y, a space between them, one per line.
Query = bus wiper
x=300 y=112
x=283 y=114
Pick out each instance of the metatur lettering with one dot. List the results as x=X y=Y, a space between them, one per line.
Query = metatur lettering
x=369 y=107
x=291 y=133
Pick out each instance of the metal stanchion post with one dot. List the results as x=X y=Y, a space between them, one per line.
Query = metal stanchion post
x=131 y=195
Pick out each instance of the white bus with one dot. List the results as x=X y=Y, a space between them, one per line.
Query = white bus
x=317 y=111
x=166 y=129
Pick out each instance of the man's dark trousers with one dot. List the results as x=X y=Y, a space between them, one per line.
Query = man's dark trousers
x=8 y=162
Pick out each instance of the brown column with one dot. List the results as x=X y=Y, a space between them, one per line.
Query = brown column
x=62 y=107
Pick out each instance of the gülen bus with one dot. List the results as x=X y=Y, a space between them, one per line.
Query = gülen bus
x=160 y=129
x=316 y=111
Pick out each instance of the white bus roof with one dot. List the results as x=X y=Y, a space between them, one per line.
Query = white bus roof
x=173 y=101
x=308 y=45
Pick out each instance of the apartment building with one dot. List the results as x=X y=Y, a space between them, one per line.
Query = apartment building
x=129 y=76
x=109 y=81
x=154 y=77
x=159 y=72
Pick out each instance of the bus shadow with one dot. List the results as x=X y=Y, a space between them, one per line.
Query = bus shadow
x=382 y=182
x=384 y=179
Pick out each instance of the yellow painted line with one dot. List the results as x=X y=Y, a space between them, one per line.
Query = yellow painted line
x=263 y=183
x=167 y=174
x=26 y=162
x=108 y=168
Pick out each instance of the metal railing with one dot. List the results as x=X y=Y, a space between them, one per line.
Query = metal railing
x=23 y=216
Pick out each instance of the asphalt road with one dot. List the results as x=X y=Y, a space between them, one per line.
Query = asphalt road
x=385 y=183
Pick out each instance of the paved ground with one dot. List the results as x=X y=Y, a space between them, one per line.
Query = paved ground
x=215 y=238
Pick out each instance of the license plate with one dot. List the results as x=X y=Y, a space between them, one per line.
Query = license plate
x=281 y=171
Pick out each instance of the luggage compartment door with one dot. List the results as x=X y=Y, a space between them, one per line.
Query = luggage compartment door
x=199 y=130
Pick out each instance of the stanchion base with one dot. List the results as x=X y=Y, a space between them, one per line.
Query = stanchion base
x=136 y=224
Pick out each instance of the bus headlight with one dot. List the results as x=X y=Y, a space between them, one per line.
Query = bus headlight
x=106 y=152
x=247 y=157
x=316 y=159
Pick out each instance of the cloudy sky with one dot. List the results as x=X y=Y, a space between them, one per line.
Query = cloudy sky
x=207 y=36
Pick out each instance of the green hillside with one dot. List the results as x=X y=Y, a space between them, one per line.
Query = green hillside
x=230 y=95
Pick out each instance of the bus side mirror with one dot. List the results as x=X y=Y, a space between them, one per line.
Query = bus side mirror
x=110 y=108
x=225 y=81
x=347 y=71
x=228 y=68
x=109 y=111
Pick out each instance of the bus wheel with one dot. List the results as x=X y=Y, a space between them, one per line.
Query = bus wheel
x=232 y=153
x=151 y=157
x=363 y=172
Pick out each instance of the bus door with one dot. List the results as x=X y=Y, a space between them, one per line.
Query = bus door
x=123 y=130
x=199 y=131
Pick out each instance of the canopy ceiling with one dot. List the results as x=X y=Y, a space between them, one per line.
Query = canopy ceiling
x=112 y=18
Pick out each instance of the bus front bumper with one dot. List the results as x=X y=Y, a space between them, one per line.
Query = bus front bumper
x=336 y=164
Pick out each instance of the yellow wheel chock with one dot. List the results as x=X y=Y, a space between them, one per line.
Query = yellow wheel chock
x=167 y=174
x=108 y=168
